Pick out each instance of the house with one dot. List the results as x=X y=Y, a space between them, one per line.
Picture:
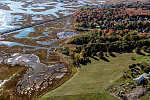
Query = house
x=142 y=77
x=149 y=74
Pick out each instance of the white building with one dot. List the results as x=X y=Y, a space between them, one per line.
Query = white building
x=142 y=77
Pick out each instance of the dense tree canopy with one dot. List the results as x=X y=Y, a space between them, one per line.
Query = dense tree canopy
x=114 y=28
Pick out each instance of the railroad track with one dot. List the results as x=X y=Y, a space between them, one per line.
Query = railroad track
x=32 y=25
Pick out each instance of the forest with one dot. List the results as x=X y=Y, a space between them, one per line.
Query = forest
x=114 y=28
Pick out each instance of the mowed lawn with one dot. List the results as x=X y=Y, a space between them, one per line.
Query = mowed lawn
x=92 y=80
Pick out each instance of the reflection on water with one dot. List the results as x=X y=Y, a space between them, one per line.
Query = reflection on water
x=5 y=20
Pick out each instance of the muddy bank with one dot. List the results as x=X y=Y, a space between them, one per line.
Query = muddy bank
x=37 y=78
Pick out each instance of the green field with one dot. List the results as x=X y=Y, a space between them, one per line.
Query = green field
x=92 y=80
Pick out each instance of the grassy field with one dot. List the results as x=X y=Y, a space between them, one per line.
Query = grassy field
x=92 y=80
